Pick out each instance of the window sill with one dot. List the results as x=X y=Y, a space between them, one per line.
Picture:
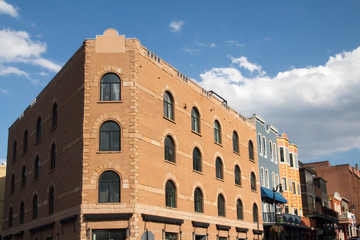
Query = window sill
x=53 y=128
x=169 y=119
x=107 y=203
x=198 y=172
x=170 y=162
x=51 y=171
x=254 y=191
x=197 y=133
x=37 y=142
x=109 y=101
x=237 y=153
x=172 y=208
x=107 y=152
x=238 y=185
x=24 y=153
x=251 y=160
x=219 y=144
x=219 y=179
x=36 y=179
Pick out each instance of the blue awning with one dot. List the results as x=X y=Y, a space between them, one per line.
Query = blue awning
x=267 y=193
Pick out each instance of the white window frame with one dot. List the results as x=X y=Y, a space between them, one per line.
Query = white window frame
x=275 y=152
x=288 y=156
x=282 y=154
x=264 y=146
x=271 y=151
x=259 y=144
x=284 y=183
x=262 y=176
x=290 y=185
x=267 y=181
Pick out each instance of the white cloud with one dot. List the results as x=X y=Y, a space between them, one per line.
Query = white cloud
x=9 y=9
x=317 y=106
x=4 y=91
x=235 y=43
x=190 y=50
x=175 y=26
x=207 y=45
x=244 y=63
x=17 y=47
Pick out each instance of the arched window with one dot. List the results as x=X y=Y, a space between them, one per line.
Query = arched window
x=217 y=132
x=38 y=129
x=170 y=194
x=110 y=136
x=54 y=115
x=35 y=207
x=10 y=221
x=239 y=210
x=219 y=169
x=12 y=183
x=14 y=151
x=110 y=88
x=25 y=141
x=235 y=139
x=251 y=151
x=168 y=106
x=51 y=200
x=37 y=167
x=22 y=211
x=197 y=160
x=169 y=149
x=109 y=187
x=255 y=213
x=198 y=201
x=253 y=181
x=195 y=120
x=52 y=156
x=23 y=176
x=221 y=205
x=237 y=174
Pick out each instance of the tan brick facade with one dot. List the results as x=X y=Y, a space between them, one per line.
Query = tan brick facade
x=140 y=163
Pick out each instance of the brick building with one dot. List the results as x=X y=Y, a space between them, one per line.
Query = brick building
x=121 y=145
x=343 y=179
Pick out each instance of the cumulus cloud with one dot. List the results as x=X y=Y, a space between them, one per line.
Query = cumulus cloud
x=17 y=47
x=176 y=26
x=6 y=8
x=317 y=106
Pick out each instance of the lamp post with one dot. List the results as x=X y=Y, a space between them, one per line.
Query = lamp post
x=274 y=191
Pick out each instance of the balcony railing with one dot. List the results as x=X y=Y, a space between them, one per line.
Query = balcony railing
x=269 y=217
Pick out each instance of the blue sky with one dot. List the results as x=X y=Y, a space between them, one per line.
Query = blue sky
x=294 y=63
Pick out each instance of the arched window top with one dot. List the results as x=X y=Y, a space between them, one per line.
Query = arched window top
x=253 y=181
x=25 y=141
x=35 y=206
x=110 y=87
x=237 y=173
x=239 y=210
x=170 y=194
x=195 y=120
x=217 y=132
x=235 y=139
x=255 y=213
x=37 y=167
x=219 y=168
x=51 y=200
x=23 y=177
x=14 y=151
x=54 y=115
x=168 y=105
x=109 y=187
x=197 y=160
x=198 y=200
x=10 y=220
x=38 y=129
x=52 y=156
x=109 y=136
x=22 y=213
x=251 y=151
x=169 y=149
x=221 y=205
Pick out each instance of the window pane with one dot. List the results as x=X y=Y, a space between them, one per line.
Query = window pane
x=104 y=141
x=105 y=92
x=115 y=92
x=114 y=192
x=104 y=192
x=115 y=141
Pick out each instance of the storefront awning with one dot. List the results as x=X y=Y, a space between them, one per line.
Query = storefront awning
x=267 y=193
